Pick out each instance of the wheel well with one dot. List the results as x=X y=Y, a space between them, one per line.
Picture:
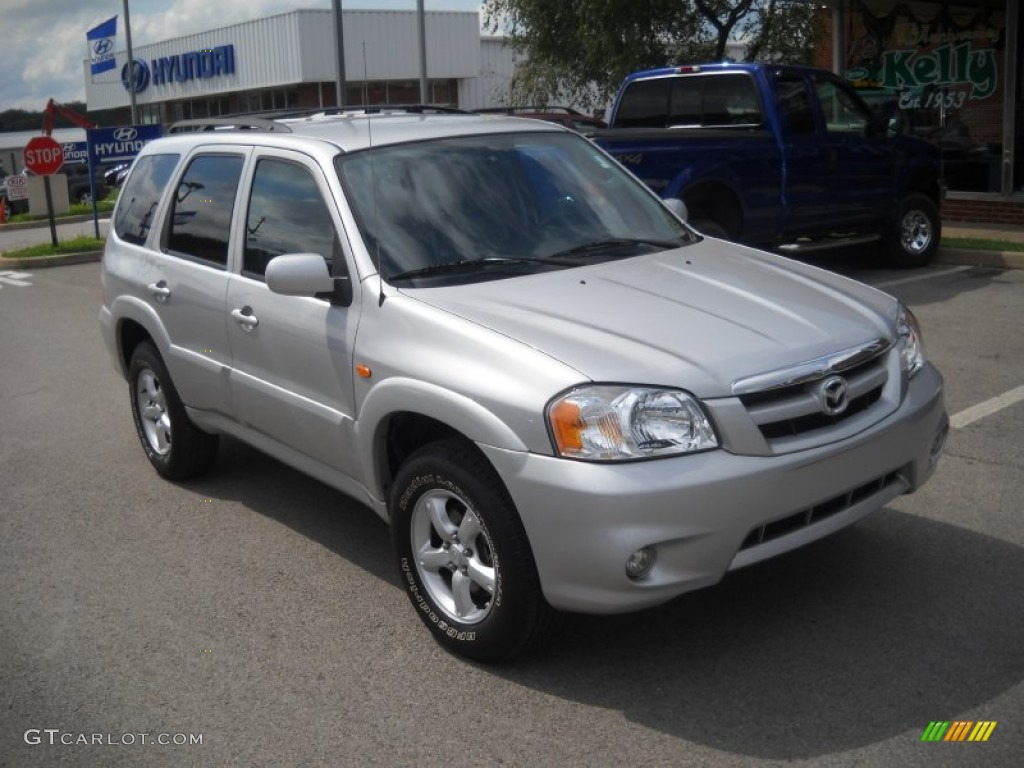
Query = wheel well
x=717 y=203
x=130 y=335
x=403 y=435
x=927 y=185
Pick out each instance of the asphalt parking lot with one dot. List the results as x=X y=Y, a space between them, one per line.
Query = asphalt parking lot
x=259 y=610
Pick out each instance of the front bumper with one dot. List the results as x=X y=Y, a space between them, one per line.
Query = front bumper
x=709 y=513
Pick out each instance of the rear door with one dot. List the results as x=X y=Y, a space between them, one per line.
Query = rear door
x=807 y=187
x=292 y=375
x=185 y=279
x=858 y=166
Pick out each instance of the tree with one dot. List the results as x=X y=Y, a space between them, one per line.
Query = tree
x=580 y=50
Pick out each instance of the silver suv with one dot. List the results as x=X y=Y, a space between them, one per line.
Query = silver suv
x=560 y=396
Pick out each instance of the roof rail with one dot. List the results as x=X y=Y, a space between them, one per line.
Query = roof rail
x=238 y=123
x=528 y=108
x=368 y=109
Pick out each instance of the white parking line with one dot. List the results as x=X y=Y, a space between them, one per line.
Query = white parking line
x=925 y=276
x=987 y=408
x=14 y=278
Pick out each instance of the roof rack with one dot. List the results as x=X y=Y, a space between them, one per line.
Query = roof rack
x=242 y=123
x=365 y=109
x=528 y=108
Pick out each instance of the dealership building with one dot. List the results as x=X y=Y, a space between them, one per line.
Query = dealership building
x=288 y=61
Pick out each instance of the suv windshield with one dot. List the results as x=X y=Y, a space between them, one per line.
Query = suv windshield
x=484 y=207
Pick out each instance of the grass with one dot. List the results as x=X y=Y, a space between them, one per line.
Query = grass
x=81 y=244
x=77 y=209
x=981 y=244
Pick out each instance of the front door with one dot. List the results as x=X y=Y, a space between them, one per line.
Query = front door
x=291 y=377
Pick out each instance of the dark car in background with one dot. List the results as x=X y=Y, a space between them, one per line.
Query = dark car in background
x=78 y=185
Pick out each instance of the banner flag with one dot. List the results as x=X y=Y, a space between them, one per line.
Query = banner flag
x=101 y=45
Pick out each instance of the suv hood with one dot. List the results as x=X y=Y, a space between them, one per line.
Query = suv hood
x=696 y=317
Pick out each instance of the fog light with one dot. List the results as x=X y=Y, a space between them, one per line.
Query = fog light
x=640 y=563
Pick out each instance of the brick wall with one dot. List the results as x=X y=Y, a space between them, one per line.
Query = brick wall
x=984 y=211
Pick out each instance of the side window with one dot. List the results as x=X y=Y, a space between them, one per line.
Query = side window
x=287 y=214
x=202 y=206
x=730 y=100
x=644 y=104
x=843 y=113
x=794 y=105
x=138 y=200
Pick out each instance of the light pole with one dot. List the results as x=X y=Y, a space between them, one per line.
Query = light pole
x=339 y=49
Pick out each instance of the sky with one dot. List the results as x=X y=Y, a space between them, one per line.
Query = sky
x=44 y=40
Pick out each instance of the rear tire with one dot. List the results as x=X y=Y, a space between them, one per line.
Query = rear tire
x=918 y=230
x=175 y=446
x=710 y=228
x=463 y=556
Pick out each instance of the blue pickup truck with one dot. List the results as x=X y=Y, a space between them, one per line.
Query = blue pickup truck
x=781 y=157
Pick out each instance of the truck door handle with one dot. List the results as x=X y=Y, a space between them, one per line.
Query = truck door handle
x=245 y=318
x=160 y=290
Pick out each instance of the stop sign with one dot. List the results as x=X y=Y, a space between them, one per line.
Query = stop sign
x=43 y=155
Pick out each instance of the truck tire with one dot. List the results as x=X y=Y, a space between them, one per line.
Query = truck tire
x=918 y=230
x=463 y=556
x=175 y=446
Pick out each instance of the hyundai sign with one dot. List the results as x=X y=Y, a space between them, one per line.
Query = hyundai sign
x=122 y=144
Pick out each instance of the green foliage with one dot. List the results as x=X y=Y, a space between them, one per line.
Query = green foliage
x=579 y=51
x=81 y=244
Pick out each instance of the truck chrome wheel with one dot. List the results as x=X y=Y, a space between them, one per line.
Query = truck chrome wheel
x=154 y=418
x=916 y=232
x=454 y=556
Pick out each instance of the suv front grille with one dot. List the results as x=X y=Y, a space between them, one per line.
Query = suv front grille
x=794 y=407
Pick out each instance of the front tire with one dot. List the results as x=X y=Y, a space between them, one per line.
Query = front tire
x=918 y=230
x=175 y=446
x=463 y=556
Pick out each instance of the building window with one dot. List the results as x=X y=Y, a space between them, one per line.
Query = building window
x=937 y=71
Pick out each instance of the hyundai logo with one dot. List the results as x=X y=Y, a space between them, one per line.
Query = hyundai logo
x=102 y=47
x=141 y=76
x=834 y=395
x=125 y=134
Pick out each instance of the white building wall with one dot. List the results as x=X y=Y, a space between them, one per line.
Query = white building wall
x=298 y=47
x=489 y=87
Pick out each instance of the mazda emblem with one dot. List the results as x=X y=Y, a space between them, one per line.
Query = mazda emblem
x=834 y=395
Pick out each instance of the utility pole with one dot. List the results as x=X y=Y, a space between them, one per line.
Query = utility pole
x=339 y=48
x=131 y=63
x=424 y=98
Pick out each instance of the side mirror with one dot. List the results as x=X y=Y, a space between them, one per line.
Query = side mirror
x=305 y=274
x=677 y=206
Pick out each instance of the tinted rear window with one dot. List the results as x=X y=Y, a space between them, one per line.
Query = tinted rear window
x=141 y=194
x=703 y=100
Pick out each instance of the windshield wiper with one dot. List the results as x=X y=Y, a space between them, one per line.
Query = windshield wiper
x=596 y=247
x=472 y=265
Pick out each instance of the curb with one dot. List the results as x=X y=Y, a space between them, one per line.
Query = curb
x=56 y=260
x=975 y=258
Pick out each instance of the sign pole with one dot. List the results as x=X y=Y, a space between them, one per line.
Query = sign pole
x=49 y=210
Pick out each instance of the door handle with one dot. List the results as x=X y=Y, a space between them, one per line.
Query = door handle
x=245 y=318
x=160 y=290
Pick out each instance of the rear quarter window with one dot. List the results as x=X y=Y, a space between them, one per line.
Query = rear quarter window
x=138 y=200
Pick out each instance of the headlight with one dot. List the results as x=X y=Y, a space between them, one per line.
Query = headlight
x=911 y=341
x=612 y=423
